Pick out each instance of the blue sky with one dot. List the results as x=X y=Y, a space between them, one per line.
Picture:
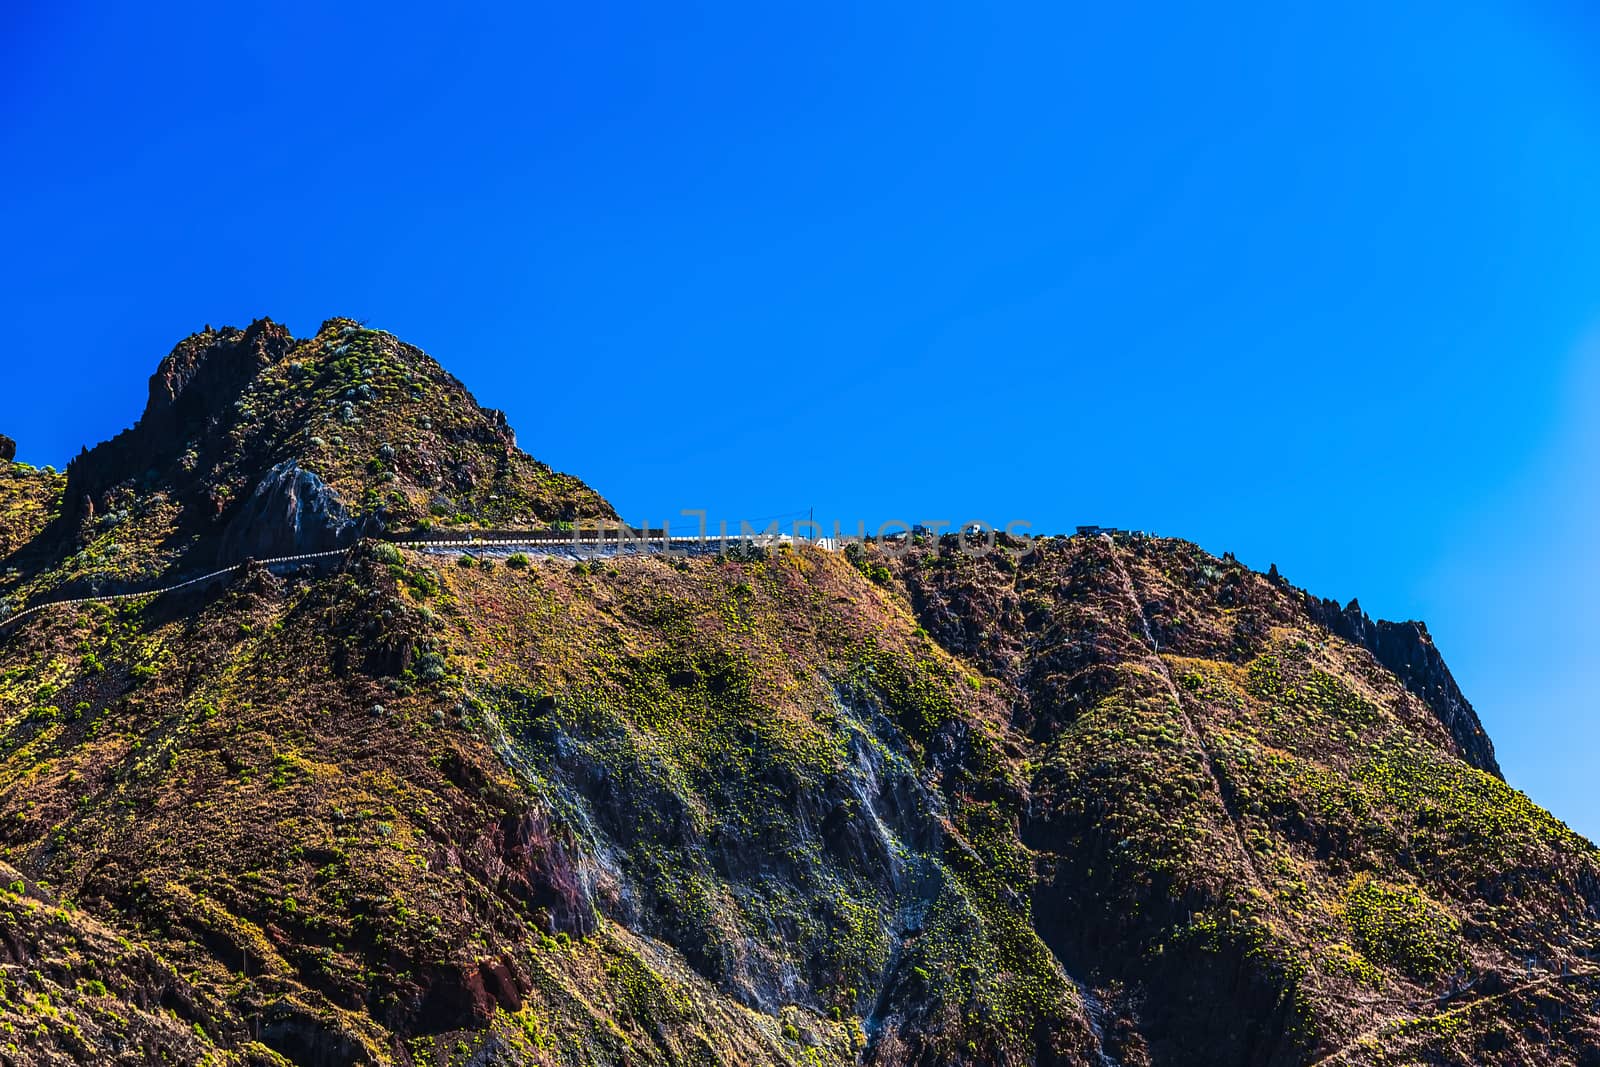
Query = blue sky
x=1322 y=293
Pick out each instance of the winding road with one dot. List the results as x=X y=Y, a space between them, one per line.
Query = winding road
x=541 y=542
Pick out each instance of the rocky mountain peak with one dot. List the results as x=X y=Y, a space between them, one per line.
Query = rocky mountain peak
x=208 y=370
x=243 y=425
x=192 y=389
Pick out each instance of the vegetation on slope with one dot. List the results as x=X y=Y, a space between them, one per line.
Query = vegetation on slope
x=1108 y=802
x=1377 y=869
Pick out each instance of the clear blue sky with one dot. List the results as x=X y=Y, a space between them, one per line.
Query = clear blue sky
x=1324 y=293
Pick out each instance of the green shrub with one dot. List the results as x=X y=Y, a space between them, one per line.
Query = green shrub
x=422 y=581
x=430 y=667
x=1399 y=926
x=875 y=572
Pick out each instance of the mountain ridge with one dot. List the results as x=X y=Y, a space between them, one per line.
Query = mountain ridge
x=1111 y=800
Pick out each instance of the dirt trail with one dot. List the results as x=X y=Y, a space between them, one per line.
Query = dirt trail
x=1471 y=1005
x=1192 y=730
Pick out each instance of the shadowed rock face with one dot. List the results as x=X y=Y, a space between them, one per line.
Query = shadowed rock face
x=1407 y=649
x=190 y=392
x=8 y=449
x=290 y=513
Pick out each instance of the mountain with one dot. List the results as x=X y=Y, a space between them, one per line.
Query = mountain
x=1093 y=800
x=253 y=443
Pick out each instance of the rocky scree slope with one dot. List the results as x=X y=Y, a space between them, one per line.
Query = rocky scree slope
x=1111 y=802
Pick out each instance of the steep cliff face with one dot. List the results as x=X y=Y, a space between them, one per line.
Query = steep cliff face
x=1407 y=649
x=1103 y=801
x=191 y=393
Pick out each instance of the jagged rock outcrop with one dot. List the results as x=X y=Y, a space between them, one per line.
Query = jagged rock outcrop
x=204 y=374
x=190 y=392
x=542 y=866
x=291 y=512
x=8 y=449
x=1407 y=649
x=236 y=420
